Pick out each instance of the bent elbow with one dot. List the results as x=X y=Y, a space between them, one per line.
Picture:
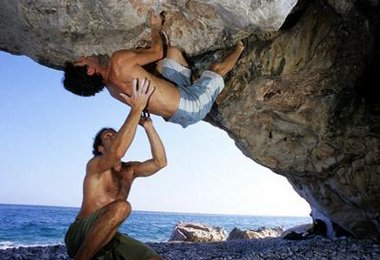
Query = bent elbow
x=164 y=164
x=161 y=164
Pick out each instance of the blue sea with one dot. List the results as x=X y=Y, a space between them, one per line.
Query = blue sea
x=25 y=225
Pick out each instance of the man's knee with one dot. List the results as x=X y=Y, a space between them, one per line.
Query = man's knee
x=174 y=52
x=121 y=209
x=124 y=208
x=217 y=69
x=214 y=67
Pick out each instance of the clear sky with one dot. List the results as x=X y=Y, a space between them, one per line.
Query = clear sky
x=46 y=138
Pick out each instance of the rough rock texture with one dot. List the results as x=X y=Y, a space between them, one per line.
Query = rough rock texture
x=263 y=232
x=301 y=103
x=196 y=232
x=302 y=100
x=51 y=31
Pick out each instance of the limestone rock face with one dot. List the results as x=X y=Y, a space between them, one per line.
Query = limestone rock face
x=302 y=103
x=52 y=31
x=302 y=100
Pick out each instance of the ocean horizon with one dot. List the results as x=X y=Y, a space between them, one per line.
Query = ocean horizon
x=40 y=225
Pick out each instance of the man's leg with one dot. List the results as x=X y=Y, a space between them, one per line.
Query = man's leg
x=174 y=68
x=126 y=247
x=227 y=64
x=104 y=229
x=176 y=54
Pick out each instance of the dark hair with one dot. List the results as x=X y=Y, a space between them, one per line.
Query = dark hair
x=98 y=140
x=78 y=82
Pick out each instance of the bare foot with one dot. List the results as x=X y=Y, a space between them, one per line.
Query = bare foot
x=227 y=64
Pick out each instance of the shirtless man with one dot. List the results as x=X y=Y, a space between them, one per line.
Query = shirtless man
x=176 y=99
x=94 y=234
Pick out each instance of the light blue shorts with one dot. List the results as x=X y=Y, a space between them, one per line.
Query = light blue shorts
x=196 y=99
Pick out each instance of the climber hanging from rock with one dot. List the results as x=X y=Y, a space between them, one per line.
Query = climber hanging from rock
x=176 y=98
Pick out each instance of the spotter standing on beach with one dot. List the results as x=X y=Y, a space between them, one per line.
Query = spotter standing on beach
x=175 y=98
x=94 y=234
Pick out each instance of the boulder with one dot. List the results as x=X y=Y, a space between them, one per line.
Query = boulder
x=262 y=232
x=196 y=232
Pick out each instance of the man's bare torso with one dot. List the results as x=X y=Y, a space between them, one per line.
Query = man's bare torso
x=101 y=189
x=165 y=98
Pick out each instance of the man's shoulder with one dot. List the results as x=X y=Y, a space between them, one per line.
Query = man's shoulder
x=122 y=60
x=94 y=168
x=93 y=159
x=93 y=163
x=121 y=55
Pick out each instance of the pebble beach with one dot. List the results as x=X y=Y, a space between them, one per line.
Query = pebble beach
x=268 y=248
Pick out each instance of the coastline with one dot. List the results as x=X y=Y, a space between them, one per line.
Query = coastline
x=268 y=248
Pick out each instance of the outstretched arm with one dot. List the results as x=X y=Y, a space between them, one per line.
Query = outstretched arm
x=158 y=160
x=155 y=52
x=121 y=141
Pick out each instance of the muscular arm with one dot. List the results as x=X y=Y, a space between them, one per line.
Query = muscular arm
x=123 y=138
x=155 y=52
x=120 y=143
x=158 y=160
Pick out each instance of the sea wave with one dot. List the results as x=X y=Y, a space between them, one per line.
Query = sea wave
x=10 y=244
x=28 y=226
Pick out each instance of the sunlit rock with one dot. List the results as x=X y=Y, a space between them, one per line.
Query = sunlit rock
x=263 y=232
x=196 y=232
x=51 y=32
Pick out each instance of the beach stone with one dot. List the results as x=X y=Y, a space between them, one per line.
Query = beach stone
x=262 y=232
x=301 y=100
x=315 y=248
x=196 y=232
x=298 y=231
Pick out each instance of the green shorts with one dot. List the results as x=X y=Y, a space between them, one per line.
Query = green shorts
x=120 y=247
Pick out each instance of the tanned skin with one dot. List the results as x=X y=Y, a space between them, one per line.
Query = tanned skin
x=124 y=65
x=108 y=180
